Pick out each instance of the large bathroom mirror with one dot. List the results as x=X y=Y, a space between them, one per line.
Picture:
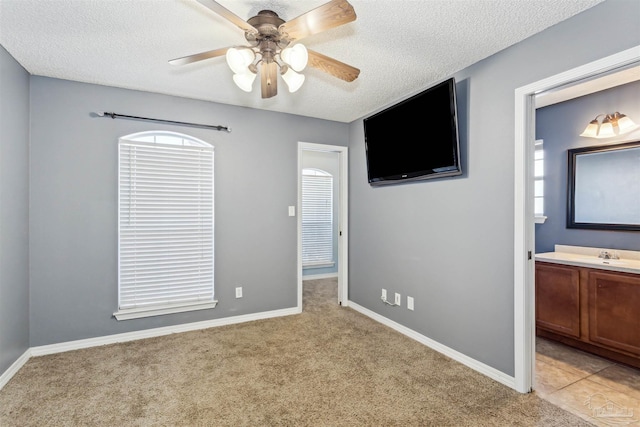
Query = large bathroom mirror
x=604 y=187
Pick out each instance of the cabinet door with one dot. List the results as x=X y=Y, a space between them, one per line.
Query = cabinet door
x=614 y=310
x=558 y=299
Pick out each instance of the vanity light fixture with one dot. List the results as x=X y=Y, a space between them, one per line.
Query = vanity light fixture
x=611 y=125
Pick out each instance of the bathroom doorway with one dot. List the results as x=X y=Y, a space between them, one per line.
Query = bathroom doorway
x=524 y=233
x=564 y=375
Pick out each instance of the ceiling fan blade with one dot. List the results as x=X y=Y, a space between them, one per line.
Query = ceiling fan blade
x=269 y=79
x=325 y=17
x=198 y=56
x=227 y=14
x=333 y=66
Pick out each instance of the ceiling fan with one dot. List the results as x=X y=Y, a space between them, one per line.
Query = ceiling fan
x=271 y=46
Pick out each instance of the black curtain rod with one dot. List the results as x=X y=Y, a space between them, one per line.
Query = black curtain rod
x=124 y=116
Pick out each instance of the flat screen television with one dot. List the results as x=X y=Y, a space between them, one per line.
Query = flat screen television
x=416 y=139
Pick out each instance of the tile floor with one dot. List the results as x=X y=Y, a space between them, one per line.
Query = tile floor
x=598 y=390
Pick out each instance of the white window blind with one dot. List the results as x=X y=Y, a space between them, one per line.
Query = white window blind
x=538 y=167
x=317 y=218
x=165 y=228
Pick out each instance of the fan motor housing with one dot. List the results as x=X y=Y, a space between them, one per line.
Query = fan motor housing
x=267 y=23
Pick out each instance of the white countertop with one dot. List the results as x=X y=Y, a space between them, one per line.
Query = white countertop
x=629 y=261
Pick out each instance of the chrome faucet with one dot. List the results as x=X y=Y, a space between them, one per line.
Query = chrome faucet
x=608 y=255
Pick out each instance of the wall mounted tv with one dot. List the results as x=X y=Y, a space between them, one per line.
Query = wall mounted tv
x=416 y=139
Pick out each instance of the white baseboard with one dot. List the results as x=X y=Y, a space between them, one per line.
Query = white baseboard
x=319 y=276
x=480 y=367
x=156 y=332
x=14 y=368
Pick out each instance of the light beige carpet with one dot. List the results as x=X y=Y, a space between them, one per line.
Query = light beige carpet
x=329 y=366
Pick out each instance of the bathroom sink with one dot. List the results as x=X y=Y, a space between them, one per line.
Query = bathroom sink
x=628 y=262
x=594 y=260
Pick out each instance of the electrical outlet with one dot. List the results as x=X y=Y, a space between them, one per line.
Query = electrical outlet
x=384 y=295
x=410 y=303
x=239 y=292
x=398 y=300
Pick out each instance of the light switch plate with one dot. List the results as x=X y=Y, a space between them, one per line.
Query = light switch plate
x=292 y=211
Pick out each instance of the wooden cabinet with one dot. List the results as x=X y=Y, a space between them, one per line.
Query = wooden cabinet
x=558 y=299
x=591 y=309
x=614 y=310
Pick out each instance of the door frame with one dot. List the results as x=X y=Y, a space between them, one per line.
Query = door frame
x=524 y=229
x=343 y=216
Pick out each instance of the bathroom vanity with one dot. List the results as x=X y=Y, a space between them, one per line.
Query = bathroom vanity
x=590 y=299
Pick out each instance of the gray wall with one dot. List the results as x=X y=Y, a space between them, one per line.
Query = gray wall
x=73 y=221
x=14 y=214
x=449 y=243
x=559 y=126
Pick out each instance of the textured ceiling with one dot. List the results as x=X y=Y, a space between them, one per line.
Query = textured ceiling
x=400 y=46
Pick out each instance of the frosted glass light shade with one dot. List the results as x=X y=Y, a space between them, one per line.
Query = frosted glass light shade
x=625 y=124
x=239 y=59
x=296 y=56
x=293 y=80
x=606 y=130
x=591 y=131
x=245 y=80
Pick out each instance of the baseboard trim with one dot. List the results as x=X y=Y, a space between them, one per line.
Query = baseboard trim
x=480 y=367
x=14 y=368
x=156 y=332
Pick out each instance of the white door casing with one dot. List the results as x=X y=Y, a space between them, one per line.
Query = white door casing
x=343 y=231
x=524 y=244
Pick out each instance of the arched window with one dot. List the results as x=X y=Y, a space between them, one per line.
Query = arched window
x=317 y=218
x=165 y=224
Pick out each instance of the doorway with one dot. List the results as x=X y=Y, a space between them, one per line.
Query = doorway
x=306 y=150
x=524 y=237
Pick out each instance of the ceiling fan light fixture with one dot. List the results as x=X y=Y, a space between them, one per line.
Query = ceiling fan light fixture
x=239 y=59
x=271 y=46
x=245 y=80
x=293 y=80
x=296 y=56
